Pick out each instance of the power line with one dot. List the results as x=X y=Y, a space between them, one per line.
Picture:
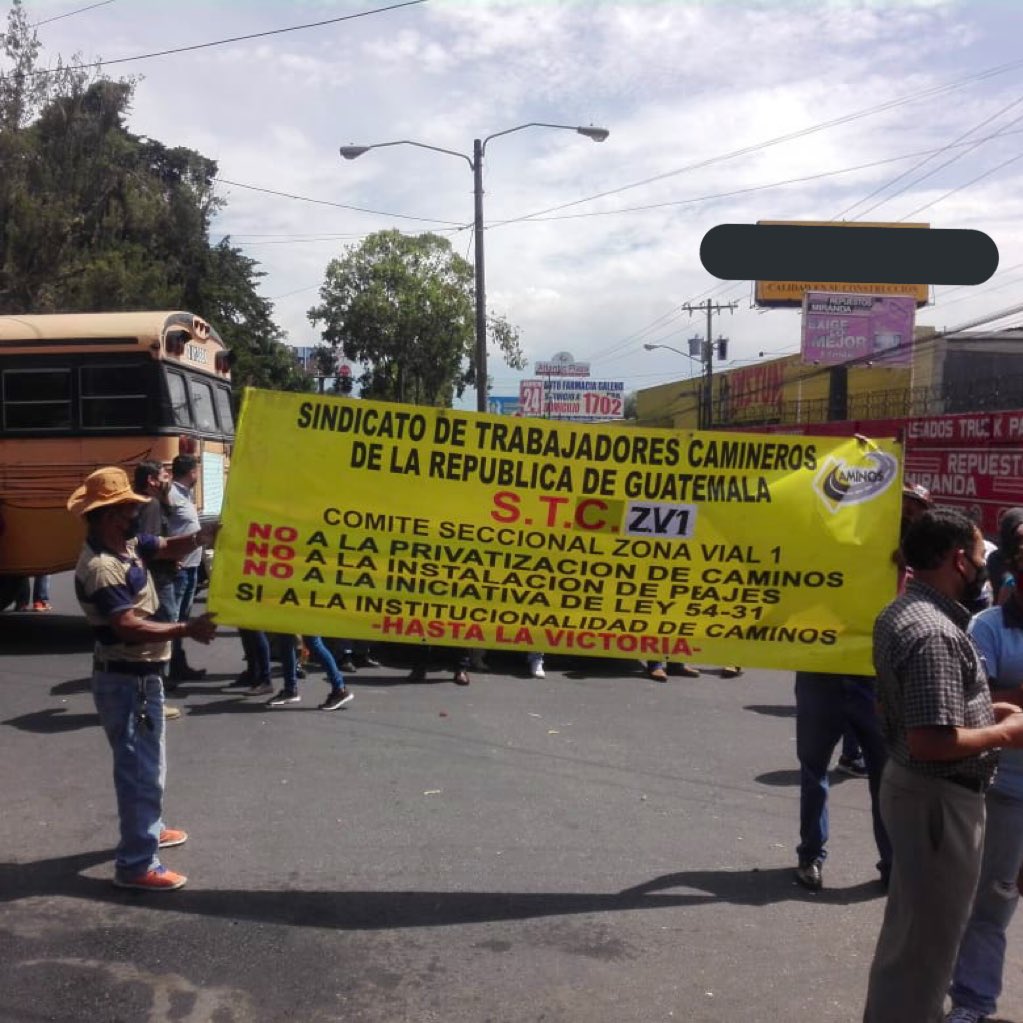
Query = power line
x=342 y=206
x=789 y=137
x=710 y=197
x=70 y=14
x=236 y=39
x=934 y=170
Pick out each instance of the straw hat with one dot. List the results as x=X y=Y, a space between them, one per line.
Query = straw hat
x=101 y=488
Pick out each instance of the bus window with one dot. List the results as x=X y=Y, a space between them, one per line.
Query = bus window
x=223 y=396
x=114 y=396
x=202 y=407
x=178 y=399
x=37 y=399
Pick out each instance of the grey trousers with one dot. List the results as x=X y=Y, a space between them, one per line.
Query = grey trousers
x=937 y=833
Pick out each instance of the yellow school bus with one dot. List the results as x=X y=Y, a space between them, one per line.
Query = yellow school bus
x=80 y=391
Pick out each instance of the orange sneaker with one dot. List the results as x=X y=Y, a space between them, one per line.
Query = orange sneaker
x=172 y=836
x=42 y=605
x=159 y=880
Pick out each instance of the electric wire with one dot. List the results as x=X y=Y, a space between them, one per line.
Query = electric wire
x=235 y=39
x=70 y=14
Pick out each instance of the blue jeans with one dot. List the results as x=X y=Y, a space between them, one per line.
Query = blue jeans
x=316 y=646
x=34 y=590
x=184 y=593
x=825 y=706
x=977 y=980
x=124 y=703
x=256 y=648
x=166 y=596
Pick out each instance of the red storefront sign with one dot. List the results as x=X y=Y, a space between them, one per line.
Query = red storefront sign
x=972 y=461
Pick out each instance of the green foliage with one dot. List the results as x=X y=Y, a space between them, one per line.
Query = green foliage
x=403 y=306
x=94 y=218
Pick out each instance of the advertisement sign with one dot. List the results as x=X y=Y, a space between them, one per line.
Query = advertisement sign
x=840 y=328
x=562 y=365
x=504 y=405
x=398 y=523
x=791 y=293
x=582 y=401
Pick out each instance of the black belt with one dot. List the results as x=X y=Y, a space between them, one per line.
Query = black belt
x=136 y=668
x=966 y=782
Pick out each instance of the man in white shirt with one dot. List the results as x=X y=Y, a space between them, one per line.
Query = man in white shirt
x=183 y=520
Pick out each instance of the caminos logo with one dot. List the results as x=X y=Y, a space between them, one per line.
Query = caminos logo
x=841 y=483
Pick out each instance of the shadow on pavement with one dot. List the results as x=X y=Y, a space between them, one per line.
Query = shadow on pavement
x=52 y=721
x=72 y=687
x=772 y=710
x=381 y=910
x=32 y=634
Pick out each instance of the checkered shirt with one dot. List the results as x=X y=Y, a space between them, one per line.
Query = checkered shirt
x=928 y=674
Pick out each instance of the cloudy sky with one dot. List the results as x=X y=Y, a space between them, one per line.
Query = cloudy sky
x=719 y=112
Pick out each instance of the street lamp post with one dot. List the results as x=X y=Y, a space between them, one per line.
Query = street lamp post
x=705 y=355
x=475 y=162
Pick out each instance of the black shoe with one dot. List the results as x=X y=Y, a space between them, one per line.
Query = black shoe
x=285 y=696
x=243 y=681
x=732 y=672
x=187 y=674
x=417 y=674
x=337 y=698
x=369 y=661
x=299 y=672
x=854 y=768
x=809 y=875
x=348 y=665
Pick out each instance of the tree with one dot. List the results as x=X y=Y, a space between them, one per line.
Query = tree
x=404 y=307
x=94 y=218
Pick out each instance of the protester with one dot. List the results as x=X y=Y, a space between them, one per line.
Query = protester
x=152 y=481
x=132 y=657
x=850 y=760
x=183 y=519
x=942 y=732
x=977 y=978
x=421 y=665
x=34 y=594
x=658 y=671
x=1010 y=534
x=339 y=694
x=826 y=706
x=255 y=679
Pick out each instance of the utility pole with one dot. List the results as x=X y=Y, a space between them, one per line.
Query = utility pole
x=707 y=404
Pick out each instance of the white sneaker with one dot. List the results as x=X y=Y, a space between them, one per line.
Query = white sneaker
x=536 y=666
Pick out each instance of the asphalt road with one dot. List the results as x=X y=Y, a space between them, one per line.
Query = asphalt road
x=591 y=847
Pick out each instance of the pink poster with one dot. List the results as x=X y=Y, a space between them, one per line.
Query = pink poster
x=839 y=328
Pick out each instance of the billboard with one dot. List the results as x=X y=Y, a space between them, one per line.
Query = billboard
x=791 y=293
x=838 y=328
x=563 y=364
x=582 y=401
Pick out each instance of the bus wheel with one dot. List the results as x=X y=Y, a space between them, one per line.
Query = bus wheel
x=8 y=590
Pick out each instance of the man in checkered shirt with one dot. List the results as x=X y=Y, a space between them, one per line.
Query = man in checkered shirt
x=942 y=733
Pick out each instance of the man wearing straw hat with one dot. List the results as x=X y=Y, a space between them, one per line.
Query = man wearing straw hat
x=132 y=655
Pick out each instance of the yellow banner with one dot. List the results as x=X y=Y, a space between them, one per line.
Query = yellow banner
x=396 y=523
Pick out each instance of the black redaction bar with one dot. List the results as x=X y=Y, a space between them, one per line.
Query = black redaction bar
x=877 y=255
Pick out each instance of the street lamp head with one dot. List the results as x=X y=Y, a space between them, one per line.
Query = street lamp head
x=596 y=134
x=352 y=152
x=650 y=348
